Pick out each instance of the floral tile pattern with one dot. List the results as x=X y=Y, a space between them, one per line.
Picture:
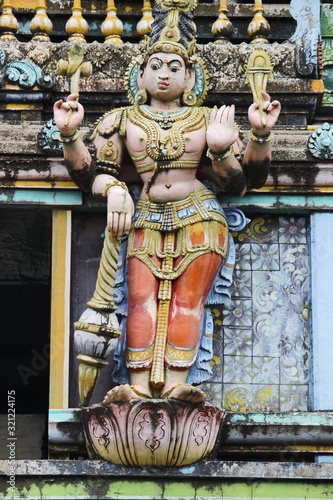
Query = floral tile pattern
x=238 y=341
x=237 y=369
x=262 y=340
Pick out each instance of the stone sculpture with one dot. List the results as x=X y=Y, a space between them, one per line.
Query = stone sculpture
x=178 y=239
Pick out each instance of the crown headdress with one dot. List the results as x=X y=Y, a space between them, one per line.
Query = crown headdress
x=173 y=31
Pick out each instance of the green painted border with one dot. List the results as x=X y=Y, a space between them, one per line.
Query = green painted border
x=121 y=489
x=35 y=197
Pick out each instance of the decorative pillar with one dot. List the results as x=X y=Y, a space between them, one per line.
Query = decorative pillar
x=8 y=22
x=322 y=313
x=41 y=25
x=327 y=53
x=144 y=25
x=60 y=308
x=222 y=28
x=258 y=28
x=112 y=27
x=77 y=26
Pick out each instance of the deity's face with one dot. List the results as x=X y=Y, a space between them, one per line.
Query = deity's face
x=166 y=77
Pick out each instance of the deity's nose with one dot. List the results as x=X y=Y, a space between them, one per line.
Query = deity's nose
x=163 y=74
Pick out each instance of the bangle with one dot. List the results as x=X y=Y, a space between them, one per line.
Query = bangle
x=260 y=138
x=110 y=167
x=219 y=157
x=112 y=183
x=67 y=139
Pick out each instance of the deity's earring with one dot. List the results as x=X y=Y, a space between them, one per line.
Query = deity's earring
x=189 y=98
x=141 y=96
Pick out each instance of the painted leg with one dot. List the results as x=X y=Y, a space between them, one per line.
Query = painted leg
x=140 y=334
x=188 y=298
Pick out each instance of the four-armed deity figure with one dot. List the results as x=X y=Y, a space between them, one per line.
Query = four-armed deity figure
x=177 y=232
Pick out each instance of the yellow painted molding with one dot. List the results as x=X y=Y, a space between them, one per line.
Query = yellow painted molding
x=318 y=85
x=60 y=314
x=17 y=106
x=24 y=4
x=39 y=184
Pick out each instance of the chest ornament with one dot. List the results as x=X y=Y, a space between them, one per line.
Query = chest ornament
x=172 y=146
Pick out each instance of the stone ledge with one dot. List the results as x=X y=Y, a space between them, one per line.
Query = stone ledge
x=205 y=469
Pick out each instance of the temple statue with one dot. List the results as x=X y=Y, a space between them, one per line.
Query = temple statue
x=176 y=233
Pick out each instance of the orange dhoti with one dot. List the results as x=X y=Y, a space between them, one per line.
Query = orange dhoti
x=170 y=275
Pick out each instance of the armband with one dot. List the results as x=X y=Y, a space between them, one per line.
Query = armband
x=112 y=168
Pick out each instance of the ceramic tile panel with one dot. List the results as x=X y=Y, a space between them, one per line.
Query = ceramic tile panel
x=262 y=340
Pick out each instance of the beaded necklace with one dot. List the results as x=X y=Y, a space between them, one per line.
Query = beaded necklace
x=172 y=146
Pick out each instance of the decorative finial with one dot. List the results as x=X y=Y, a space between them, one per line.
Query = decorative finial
x=259 y=71
x=258 y=28
x=77 y=26
x=8 y=22
x=74 y=68
x=144 y=25
x=222 y=28
x=41 y=25
x=112 y=27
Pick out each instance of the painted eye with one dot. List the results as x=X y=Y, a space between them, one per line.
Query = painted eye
x=174 y=69
x=154 y=66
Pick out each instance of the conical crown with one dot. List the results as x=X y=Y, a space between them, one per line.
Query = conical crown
x=173 y=29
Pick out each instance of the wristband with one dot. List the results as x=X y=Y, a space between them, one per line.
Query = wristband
x=67 y=139
x=112 y=183
x=219 y=157
x=260 y=139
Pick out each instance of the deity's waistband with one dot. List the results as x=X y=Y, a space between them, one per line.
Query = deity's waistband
x=198 y=206
x=165 y=165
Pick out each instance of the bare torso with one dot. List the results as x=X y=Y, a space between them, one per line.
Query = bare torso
x=170 y=184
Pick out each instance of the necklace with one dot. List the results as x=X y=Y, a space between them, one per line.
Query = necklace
x=165 y=119
x=172 y=146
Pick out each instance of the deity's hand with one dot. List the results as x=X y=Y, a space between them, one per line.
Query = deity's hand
x=221 y=131
x=120 y=210
x=272 y=110
x=60 y=110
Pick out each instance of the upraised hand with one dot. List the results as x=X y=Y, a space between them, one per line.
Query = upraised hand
x=272 y=110
x=67 y=124
x=221 y=132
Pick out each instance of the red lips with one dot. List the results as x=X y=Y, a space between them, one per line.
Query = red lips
x=163 y=85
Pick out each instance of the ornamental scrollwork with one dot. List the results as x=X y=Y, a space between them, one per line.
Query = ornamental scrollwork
x=25 y=74
x=48 y=139
x=320 y=142
x=28 y=75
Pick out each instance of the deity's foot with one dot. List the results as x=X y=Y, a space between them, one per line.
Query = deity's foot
x=185 y=392
x=124 y=394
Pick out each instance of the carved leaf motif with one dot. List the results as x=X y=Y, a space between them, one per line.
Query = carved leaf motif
x=151 y=433
x=100 y=430
x=27 y=74
x=151 y=429
x=48 y=139
x=200 y=428
x=320 y=142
